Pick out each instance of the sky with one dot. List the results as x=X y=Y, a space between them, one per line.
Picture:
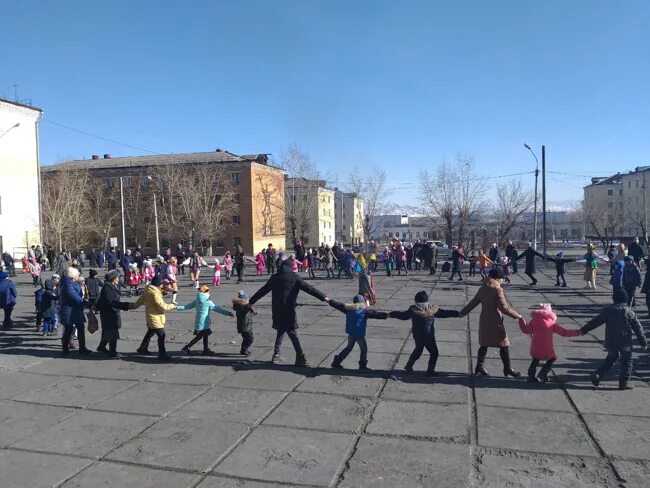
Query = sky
x=398 y=85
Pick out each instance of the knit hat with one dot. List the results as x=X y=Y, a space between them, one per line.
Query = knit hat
x=56 y=277
x=545 y=306
x=619 y=296
x=3 y=275
x=92 y=273
x=359 y=299
x=496 y=274
x=111 y=275
x=560 y=254
x=421 y=297
x=156 y=281
x=242 y=294
x=204 y=288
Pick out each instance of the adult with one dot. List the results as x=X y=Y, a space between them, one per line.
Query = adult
x=409 y=257
x=631 y=280
x=512 y=255
x=284 y=287
x=81 y=257
x=38 y=253
x=399 y=255
x=94 y=286
x=417 y=255
x=196 y=262
x=10 y=266
x=72 y=310
x=109 y=307
x=180 y=258
x=427 y=256
x=457 y=258
x=493 y=254
x=529 y=255
x=330 y=259
x=51 y=257
x=7 y=297
x=491 y=332
x=239 y=263
x=635 y=250
x=111 y=259
x=270 y=256
x=126 y=261
x=299 y=252
x=138 y=256
x=155 y=309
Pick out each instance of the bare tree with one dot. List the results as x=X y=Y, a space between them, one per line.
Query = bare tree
x=513 y=202
x=439 y=194
x=372 y=190
x=469 y=193
x=138 y=207
x=301 y=189
x=198 y=202
x=600 y=220
x=102 y=208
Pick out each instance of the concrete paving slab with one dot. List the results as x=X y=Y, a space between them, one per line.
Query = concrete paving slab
x=607 y=401
x=19 y=420
x=634 y=473
x=288 y=455
x=406 y=463
x=34 y=470
x=221 y=482
x=347 y=383
x=231 y=404
x=113 y=475
x=182 y=443
x=541 y=471
x=511 y=393
x=419 y=388
x=77 y=392
x=320 y=411
x=431 y=420
x=18 y=383
x=92 y=434
x=267 y=376
x=622 y=436
x=199 y=371
x=529 y=430
x=150 y=399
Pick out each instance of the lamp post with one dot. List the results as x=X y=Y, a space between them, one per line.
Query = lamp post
x=4 y=132
x=122 y=214
x=535 y=209
x=155 y=215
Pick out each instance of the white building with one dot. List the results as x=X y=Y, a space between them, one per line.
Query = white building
x=311 y=205
x=403 y=227
x=19 y=177
x=348 y=208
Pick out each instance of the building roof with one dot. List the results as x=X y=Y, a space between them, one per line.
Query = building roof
x=610 y=180
x=18 y=104
x=219 y=156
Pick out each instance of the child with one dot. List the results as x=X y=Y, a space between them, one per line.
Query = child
x=356 y=318
x=148 y=272
x=244 y=322
x=312 y=260
x=504 y=263
x=541 y=327
x=366 y=286
x=260 y=261
x=38 y=299
x=473 y=259
x=423 y=315
x=216 y=274
x=484 y=261
x=620 y=320
x=48 y=307
x=155 y=309
x=631 y=279
x=560 y=261
x=133 y=279
x=203 y=306
x=35 y=272
x=227 y=264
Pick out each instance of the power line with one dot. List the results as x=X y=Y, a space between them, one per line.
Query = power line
x=90 y=134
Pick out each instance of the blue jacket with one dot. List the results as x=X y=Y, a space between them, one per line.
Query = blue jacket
x=72 y=302
x=356 y=317
x=617 y=276
x=203 y=306
x=7 y=293
x=111 y=257
x=126 y=261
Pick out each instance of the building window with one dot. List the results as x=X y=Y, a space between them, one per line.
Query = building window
x=234 y=178
x=236 y=219
x=637 y=183
x=609 y=204
x=237 y=198
x=610 y=192
x=620 y=191
x=329 y=199
x=390 y=234
x=629 y=184
x=236 y=241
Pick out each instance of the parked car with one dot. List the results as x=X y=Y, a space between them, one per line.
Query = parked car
x=443 y=249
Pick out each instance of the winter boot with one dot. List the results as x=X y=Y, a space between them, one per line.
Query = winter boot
x=363 y=366
x=336 y=363
x=531 y=374
x=275 y=358
x=301 y=361
x=409 y=366
x=480 y=370
x=595 y=378
x=543 y=373
x=505 y=358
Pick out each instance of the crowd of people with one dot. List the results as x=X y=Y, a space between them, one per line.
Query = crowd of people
x=72 y=300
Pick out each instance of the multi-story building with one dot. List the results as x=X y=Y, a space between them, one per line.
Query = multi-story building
x=634 y=203
x=603 y=207
x=348 y=209
x=259 y=188
x=404 y=228
x=310 y=210
x=19 y=177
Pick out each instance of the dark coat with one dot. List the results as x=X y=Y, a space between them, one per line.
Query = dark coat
x=7 y=293
x=620 y=320
x=559 y=263
x=244 y=315
x=631 y=276
x=72 y=302
x=636 y=251
x=48 y=302
x=284 y=287
x=422 y=317
x=530 y=255
x=109 y=307
x=456 y=256
x=94 y=286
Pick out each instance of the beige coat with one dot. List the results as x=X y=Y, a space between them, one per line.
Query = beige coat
x=491 y=332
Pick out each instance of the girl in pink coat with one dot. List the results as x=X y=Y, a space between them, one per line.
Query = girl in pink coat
x=216 y=273
x=227 y=264
x=260 y=262
x=542 y=326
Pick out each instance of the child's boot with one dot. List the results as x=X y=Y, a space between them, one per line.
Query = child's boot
x=363 y=366
x=531 y=373
x=336 y=363
x=595 y=378
x=301 y=360
x=543 y=373
x=625 y=385
x=186 y=350
x=409 y=366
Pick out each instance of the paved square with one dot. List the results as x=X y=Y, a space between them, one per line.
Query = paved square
x=228 y=421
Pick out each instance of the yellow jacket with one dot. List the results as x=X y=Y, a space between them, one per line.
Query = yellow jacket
x=154 y=306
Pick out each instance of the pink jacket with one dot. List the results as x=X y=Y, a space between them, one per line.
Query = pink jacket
x=542 y=326
x=148 y=273
x=260 y=260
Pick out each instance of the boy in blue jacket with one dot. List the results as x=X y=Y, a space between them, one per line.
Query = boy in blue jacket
x=203 y=306
x=423 y=315
x=356 y=319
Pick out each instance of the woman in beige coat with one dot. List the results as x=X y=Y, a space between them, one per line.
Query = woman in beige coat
x=491 y=332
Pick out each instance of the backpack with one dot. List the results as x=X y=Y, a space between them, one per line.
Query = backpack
x=446 y=267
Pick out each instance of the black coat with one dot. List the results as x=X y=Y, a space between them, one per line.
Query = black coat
x=620 y=321
x=422 y=320
x=530 y=255
x=109 y=307
x=284 y=287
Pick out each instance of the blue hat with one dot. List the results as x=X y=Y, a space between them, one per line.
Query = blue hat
x=560 y=254
x=242 y=294
x=156 y=280
x=3 y=275
x=359 y=299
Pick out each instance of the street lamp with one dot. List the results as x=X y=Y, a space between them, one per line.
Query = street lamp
x=16 y=125
x=155 y=214
x=535 y=209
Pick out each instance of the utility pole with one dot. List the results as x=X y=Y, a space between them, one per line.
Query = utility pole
x=155 y=214
x=122 y=210
x=544 y=198
x=535 y=209
x=645 y=214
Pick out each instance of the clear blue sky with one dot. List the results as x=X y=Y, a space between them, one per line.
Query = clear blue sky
x=400 y=84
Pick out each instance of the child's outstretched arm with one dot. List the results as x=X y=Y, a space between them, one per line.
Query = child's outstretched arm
x=400 y=315
x=337 y=305
x=525 y=328
x=189 y=306
x=638 y=330
x=376 y=314
x=442 y=313
x=558 y=329
x=219 y=309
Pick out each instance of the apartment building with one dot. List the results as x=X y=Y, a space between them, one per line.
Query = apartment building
x=310 y=210
x=349 y=214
